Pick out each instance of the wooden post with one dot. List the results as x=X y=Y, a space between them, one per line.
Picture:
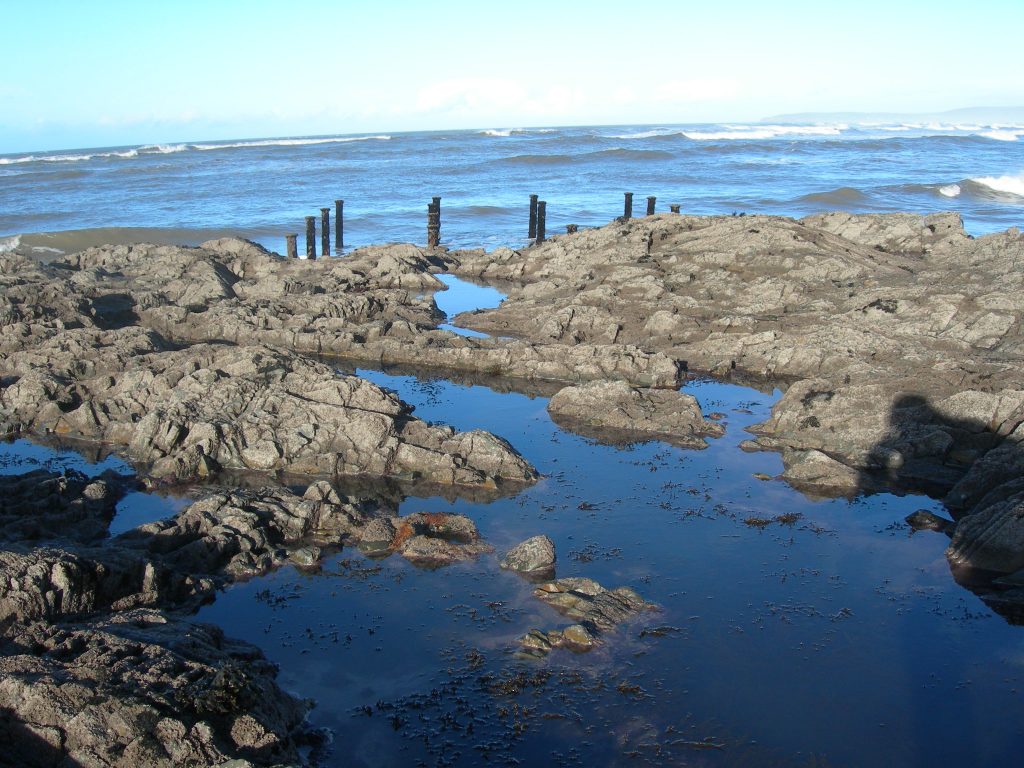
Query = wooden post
x=433 y=225
x=311 y=237
x=571 y=229
x=542 y=211
x=290 y=249
x=437 y=210
x=325 y=231
x=650 y=205
x=533 y=217
x=674 y=208
x=627 y=212
x=339 y=226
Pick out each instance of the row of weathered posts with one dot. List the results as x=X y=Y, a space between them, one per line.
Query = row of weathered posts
x=536 y=230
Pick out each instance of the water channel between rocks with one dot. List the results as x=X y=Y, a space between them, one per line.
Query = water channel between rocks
x=839 y=638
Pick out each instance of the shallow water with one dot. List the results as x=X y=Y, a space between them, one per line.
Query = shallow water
x=840 y=636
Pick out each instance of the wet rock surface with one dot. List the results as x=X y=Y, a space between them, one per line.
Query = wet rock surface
x=595 y=610
x=610 y=409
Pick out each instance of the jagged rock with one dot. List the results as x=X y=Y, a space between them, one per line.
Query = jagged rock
x=992 y=538
x=142 y=688
x=187 y=412
x=42 y=504
x=534 y=557
x=620 y=408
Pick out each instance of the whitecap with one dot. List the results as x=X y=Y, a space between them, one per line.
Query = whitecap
x=501 y=133
x=9 y=244
x=1013 y=185
x=950 y=190
x=1001 y=135
x=763 y=132
x=162 y=149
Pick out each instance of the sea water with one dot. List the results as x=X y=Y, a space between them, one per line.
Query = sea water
x=264 y=188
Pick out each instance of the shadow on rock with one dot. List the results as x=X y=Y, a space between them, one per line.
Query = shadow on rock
x=977 y=469
x=30 y=746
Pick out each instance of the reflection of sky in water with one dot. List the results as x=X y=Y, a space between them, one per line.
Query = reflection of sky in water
x=463 y=296
x=841 y=636
x=832 y=636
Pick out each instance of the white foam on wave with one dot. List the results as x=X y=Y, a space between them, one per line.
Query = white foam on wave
x=163 y=149
x=8 y=244
x=950 y=190
x=764 y=132
x=644 y=134
x=501 y=133
x=128 y=153
x=1013 y=185
x=288 y=142
x=999 y=134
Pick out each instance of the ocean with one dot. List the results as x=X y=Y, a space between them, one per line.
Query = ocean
x=262 y=189
x=831 y=636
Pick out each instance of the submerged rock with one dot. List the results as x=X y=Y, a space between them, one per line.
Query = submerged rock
x=595 y=610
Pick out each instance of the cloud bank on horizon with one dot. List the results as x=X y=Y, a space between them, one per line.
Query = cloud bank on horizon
x=94 y=74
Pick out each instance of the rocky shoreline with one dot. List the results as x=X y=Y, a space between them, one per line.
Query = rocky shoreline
x=897 y=340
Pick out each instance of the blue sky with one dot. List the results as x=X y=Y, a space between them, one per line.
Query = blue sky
x=79 y=74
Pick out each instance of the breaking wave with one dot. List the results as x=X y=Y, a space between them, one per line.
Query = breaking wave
x=950 y=190
x=1007 y=185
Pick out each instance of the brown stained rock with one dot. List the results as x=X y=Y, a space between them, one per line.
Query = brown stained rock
x=616 y=410
x=425 y=538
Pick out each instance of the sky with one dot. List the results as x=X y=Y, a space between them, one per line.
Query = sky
x=90 y=74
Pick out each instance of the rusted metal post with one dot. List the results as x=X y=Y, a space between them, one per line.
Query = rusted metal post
x=627 y=212
x=311 y=237
x=650 y=205
x=571 y=229
x=542 y=212
x=674 y=208
x=433 y=225
x=533 y=217
x=339 y=226
x=325 y=231
x=290 y=247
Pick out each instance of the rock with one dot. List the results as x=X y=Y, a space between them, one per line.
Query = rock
x=594 y=609
x=143 y=689
x=923 y=520
x=534 y=557
x=991 y=539
x=618 y=407
x=184 y=413
x=427 y=538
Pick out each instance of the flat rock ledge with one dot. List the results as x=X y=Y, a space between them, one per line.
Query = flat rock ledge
x=595 y=610
x=185 y=414
x=613 y=410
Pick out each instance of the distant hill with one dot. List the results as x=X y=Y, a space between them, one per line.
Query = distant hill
x=984 y=115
